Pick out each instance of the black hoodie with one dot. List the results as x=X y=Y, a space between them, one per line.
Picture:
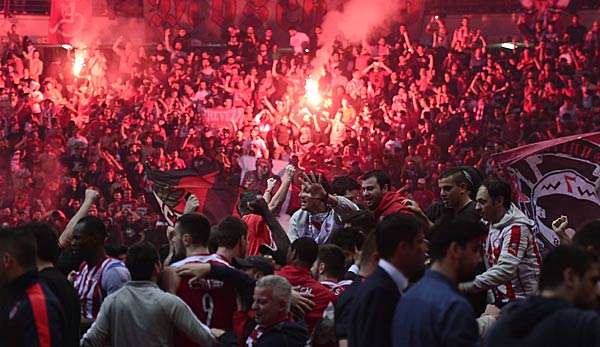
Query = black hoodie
x=544 y=322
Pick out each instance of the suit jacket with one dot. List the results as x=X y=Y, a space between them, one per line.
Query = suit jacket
x=373 y=311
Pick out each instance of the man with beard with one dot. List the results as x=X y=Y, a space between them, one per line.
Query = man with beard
x=99 y=275
x=378 y=196
x=320 y=213
x=213 y=301
x=433 y=312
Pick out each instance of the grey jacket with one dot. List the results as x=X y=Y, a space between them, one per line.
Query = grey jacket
x=141 y=314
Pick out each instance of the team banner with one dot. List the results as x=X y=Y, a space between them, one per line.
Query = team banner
x=216 y=192
x=220 y=118
x=556 y=177
x=68 y=20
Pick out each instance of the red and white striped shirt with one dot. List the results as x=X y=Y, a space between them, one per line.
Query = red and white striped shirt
x=88 y=284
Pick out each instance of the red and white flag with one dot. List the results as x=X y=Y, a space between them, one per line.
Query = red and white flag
x=556 y=177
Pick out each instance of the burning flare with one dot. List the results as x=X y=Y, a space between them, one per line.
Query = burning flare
x=312 y=92
x=78 y=63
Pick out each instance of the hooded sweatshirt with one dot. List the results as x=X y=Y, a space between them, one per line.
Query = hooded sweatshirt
x=391 y=202
x=512 y=259
x=545 y=322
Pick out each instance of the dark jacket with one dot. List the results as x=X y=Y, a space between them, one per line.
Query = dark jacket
x=285 y=334
x=343 y=307
x=433 y=313
x=30 y=314
x=543 y=322
x=371 y=316
x=67 y=298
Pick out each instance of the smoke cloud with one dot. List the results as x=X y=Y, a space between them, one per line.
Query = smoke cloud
x=356 y=20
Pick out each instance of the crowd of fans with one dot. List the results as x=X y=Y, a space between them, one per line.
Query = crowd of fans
x=400 y=125
x=407 y=108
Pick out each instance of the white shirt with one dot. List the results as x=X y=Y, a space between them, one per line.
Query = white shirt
x=397 y=276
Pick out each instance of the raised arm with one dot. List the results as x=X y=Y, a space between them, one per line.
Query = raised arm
x=281 y=193
x=65 y=238
x=271 y=183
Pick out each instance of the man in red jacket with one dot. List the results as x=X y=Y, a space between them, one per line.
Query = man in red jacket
x=378 y=196
x=301 y=255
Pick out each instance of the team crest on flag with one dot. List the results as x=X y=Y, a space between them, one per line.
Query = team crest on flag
x=556 y=177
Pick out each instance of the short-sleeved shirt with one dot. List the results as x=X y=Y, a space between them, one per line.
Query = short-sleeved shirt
x=212 y=301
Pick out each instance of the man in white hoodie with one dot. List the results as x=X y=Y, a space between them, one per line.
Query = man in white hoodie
x=511 y=254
